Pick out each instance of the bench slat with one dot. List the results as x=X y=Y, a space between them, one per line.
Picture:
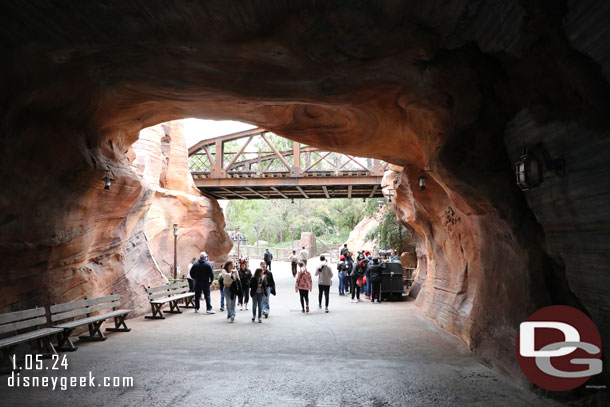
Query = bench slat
x=28 y=336
x=82 y=303
x=84 y=311
x=19 y=315
x=168 y=293
x=85 y=321
x=172 y=298
x=167 y=287
x=15 y=326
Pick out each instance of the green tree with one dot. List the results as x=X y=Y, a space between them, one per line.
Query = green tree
x=389 y=233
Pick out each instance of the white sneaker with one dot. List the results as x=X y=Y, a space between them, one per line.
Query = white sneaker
x=196 y=311
x=232 y=319
x=353 y=301
x=210 y=312
x=241 y=308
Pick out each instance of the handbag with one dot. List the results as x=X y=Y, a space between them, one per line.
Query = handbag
x=359 y=282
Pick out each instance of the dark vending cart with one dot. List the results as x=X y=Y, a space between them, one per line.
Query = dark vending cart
x=391 y=280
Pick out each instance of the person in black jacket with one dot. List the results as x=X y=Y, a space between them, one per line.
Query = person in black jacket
x=245 y=275
x=357 y=274
x=268 y=276
x=258 y=292
x=344 y=250
x=268 y=257
x=375 y=276
x=347 y=276
x=203 y=274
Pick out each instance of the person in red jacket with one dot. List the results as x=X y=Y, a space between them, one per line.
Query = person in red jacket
x=303 y=285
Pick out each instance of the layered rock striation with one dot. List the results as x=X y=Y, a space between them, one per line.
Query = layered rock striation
x=447 y=90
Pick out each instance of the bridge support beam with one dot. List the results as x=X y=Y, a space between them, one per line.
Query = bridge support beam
x=296 y=162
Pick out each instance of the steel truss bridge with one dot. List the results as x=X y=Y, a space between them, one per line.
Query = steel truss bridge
x=257 y=164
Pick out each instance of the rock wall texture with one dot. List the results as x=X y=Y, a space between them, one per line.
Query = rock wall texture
x=357 y=237
x=448 y=89
x=77 y=240
x=161 y=161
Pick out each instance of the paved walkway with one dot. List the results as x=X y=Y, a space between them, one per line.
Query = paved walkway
x=357 y=355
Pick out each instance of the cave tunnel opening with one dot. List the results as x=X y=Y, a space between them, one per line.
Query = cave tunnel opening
x=448 y=94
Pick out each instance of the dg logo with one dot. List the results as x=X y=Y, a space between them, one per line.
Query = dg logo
x=559 y=348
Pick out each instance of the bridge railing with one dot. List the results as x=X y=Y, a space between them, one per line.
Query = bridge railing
x=258 y=153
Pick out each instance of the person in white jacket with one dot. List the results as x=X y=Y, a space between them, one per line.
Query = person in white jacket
x=303 y=255
x=293 y=263
x=325 y=275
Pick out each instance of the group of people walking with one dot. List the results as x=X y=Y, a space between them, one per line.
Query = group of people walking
x=363 y=274
x=303 y=284
x=236 y=287
x=356 y=276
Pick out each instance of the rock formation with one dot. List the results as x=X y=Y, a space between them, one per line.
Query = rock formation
x=451 y=91
x=358 y=236
x=161 y=161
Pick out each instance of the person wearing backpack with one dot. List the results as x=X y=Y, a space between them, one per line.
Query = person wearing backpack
x=325 y=275
x=375 y=276
x=268 y=257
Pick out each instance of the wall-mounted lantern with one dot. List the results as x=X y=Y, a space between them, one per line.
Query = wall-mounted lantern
x=422 y=182
x=107 y=180
x=388 y=195
x=529 y=170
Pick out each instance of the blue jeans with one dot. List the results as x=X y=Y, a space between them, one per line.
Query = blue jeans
x=230 y=302
x=266 y=301
x=341 y=286
x=257 y=302
x=222 y=298
x=347 y=283
x=367 y=287
x=205 y=287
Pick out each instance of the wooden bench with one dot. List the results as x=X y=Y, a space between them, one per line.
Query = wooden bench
x=169 y=293
x=68 y=310
x=13 y=322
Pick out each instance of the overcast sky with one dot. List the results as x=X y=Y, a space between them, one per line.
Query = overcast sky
x=196 y=129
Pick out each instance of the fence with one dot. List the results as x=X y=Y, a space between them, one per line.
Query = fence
x=281 y=253
x=257 y=252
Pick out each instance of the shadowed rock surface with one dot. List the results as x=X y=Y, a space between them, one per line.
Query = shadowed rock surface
x=455 y=89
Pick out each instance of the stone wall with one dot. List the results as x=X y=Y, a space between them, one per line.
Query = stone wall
x=446 y=89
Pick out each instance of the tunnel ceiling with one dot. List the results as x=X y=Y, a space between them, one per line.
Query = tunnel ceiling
x=455 y=88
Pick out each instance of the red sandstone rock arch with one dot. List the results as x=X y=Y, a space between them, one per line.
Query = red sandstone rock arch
x=425 y=87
